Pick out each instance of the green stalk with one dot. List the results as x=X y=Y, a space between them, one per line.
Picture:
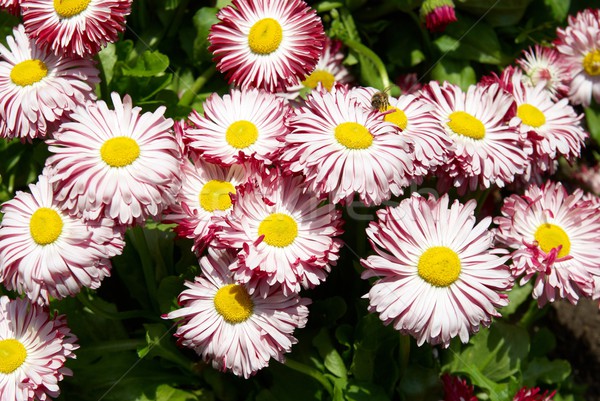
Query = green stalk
x=114 y=315
x=373 y=57
x=137 y=237
x=312 y=372
x=189 y=95
x=115 y=346
x=532 y=314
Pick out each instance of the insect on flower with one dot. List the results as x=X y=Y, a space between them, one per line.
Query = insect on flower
x=380 y=100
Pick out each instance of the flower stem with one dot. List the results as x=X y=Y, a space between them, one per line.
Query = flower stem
x=374 y=58
x=312 y=372
x=189 y=94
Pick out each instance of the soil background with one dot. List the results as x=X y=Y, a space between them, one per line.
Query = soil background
x=577 y=331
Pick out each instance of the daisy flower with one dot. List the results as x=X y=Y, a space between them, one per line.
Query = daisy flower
x=10 y=6
x=121 y=163
x=533 y=394
x=543 y=64
x=412 y=116
x=328 y=71
x=553 y=128
x=230 y=326
x=34 y=350
x=76 y=27
x=38 y=89
x=343 y=148
x=283 y=234
x=267 y=44
x=485 y=150
x=579 y=46
x=205 y=197
x=457 y=389
x=438 y=273
x=437 y=14
x=554 y=237
x=240 y=125
x=45 y=252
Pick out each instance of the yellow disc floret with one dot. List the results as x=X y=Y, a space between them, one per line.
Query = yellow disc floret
x=233 y=303
x=215 y=195
x=241 y=134
x=591 y=63
x=70 y=8
x=45 y=226
x=439 y=266
x=265 y=36
x=462 y=123
x=324 y=77
x=397 y=117
x=28 y=72
x=279 y=229
x=550 y=236
x=120 y=151
x=353 y=135
x=531 y=115
x=12 y=355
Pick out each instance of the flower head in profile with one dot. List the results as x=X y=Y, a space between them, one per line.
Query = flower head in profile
x=553 y=236
x=205 y=198
x=266 y=44
x=45 y=252
x=38 y=89
x=534 y=394
x=438 y=273
x=486 y=151
x=542 y=64
x=457 y=389
x=343 y=148
x=230 y=325
x=75 y=27
x=284 y=234
x=34 y=350
x=437 y=14
x=241 y=125
x=579 y=47
x=122 y=164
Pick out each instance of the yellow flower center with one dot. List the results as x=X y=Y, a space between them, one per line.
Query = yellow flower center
x=265 y=36
x=439 y=266
x=279 y=229
x=550 y=236
x=324 y=77
x=241 y=134
x=463 y=123
x=397 y=117
x=591 y=63
x=45 y=226
x=233 y=303
x=215 y=195
x=70 y=8
x=120 y=151
x=12 y=355
x=531 y=115
x=28 y=72
x=353 y=135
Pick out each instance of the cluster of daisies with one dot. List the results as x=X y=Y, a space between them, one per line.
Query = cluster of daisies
x=255 y=181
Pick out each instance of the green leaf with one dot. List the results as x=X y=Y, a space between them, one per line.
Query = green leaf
x=496 y=12
x=517 y=296
x=160 y=344
x=421 y=384
x=467 y=39
x=559 y=9
x=164 y=392
x=543 y=342
x=592 y=119
x=148 y=64
x=108 y=59
x=332 y=359
x=458 y=72
x=203 y=20
x=546 y=371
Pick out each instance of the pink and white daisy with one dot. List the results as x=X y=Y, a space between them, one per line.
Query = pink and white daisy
x=34 y=350
x=45 y=252
x=534 y=394
x=343 y=148
x=232 y=327
x=552 y=128
x=579 y=46
x=78 y=27
x=244 y=124
x=37 y=89
x=284 y=234
x=439 y=275
x=328 y=71
x=205 y=198
x=122 y=164
x=267 y=44
x=485 y=151
x=542 y=64
x=554 y=237
x=430 y=142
